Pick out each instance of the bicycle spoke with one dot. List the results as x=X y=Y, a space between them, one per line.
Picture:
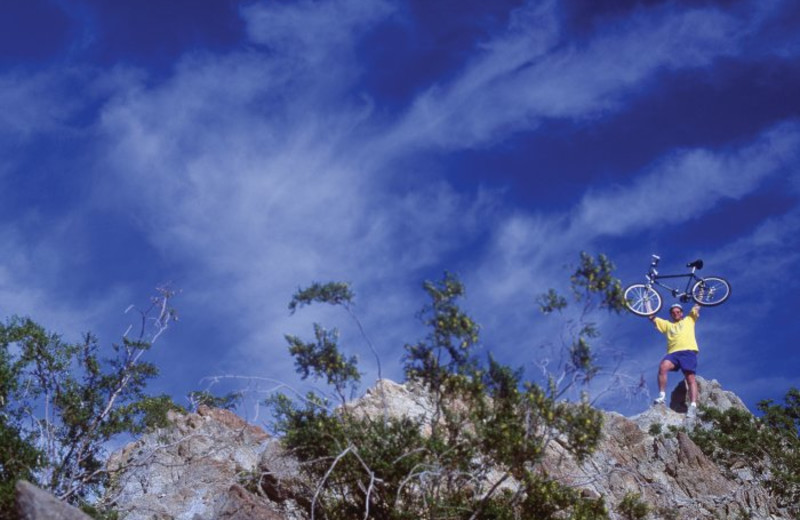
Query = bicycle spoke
x=642 y=300
x=711 y=291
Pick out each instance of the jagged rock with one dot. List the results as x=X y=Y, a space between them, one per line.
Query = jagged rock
x=710 y=394
x=643 y=455
x=194 y=470
x=281 y=481
x=36 y=504
x=396 y=400
x=240 y=504
x=213 y=466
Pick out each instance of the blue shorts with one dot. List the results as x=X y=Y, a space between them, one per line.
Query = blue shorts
x=685 y=360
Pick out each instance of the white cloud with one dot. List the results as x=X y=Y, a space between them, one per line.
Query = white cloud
x=30 y=104
x=529 y=73
x=260 y=188
x=688 y=184
x=31 y=274
x=263 y=184
x=310 y=30
x=762 y=262
x=313 y=43
x=260 y=171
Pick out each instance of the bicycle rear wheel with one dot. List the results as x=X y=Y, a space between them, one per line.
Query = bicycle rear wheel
x=711 y=291
x=642 y=299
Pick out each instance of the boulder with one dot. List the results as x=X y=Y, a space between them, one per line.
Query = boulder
x=36 y=504
x=205 y=466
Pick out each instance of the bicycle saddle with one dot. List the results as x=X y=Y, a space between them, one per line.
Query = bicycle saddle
x=698 y=264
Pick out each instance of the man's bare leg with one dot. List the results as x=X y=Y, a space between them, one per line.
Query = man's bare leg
x=663 y=369
x=691 y=384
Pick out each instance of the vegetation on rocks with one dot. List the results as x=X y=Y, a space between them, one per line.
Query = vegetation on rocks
x=477 y=451
x=61 y=403
x=768 y=444
x=476 y=447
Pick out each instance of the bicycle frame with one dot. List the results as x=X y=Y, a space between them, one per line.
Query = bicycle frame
x=644 y=299
x=653 y=278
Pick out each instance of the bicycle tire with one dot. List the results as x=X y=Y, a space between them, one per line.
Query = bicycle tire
x=710 y=291
x=642 y=299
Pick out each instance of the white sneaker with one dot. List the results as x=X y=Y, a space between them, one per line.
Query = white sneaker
x=659 y=400
x=691 y=413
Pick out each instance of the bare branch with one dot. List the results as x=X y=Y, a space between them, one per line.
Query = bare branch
x=324 y=479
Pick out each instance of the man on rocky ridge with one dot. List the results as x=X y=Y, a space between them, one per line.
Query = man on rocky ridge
x=682 y=352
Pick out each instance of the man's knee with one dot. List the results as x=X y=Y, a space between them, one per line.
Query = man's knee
x=665 y=366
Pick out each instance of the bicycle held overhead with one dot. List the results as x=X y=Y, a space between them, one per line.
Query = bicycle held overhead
x=643 y=299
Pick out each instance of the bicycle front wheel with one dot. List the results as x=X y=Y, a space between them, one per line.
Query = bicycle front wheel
x=642 y=299
x=711 y=291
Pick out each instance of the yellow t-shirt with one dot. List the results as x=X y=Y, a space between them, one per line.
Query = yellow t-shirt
x=680 y=334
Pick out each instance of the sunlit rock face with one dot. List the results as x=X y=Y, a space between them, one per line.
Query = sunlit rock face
x=213 y=465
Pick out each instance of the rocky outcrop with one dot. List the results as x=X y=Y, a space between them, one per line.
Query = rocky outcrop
x=647 y=454
x=35 y=504
x=651 y=455
x=667 y=470
x=200 y=469
x=214 y=466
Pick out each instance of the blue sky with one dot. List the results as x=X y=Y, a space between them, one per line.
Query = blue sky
x=239 y=150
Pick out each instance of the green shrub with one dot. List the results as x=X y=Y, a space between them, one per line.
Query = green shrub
x=768 y=444
x=483 y=416
x=61 y=403
x=632 y=507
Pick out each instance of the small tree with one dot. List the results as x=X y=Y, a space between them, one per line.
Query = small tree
x=321 y=359
x=61 y=403
x=19 y=458
x=769 y=444
x=476 y=454
x=338 y=294
x=594 y=288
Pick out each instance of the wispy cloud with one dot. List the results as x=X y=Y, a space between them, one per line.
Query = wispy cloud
x=689 y=183
x=303 y=30
x=261 y=185
x=263 y=182
x=31 y=275
x=28 y=106
x=263 y=169
x=532 y=72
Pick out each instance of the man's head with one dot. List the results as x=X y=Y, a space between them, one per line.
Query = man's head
x=676 y=312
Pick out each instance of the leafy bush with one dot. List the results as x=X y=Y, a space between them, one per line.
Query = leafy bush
x=484 y=416
x=199 y=398
x=60 y=404
x=769 y=444
x=19 y=459
x=632 y=507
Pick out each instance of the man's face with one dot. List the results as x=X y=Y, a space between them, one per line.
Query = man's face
x=676 y=314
